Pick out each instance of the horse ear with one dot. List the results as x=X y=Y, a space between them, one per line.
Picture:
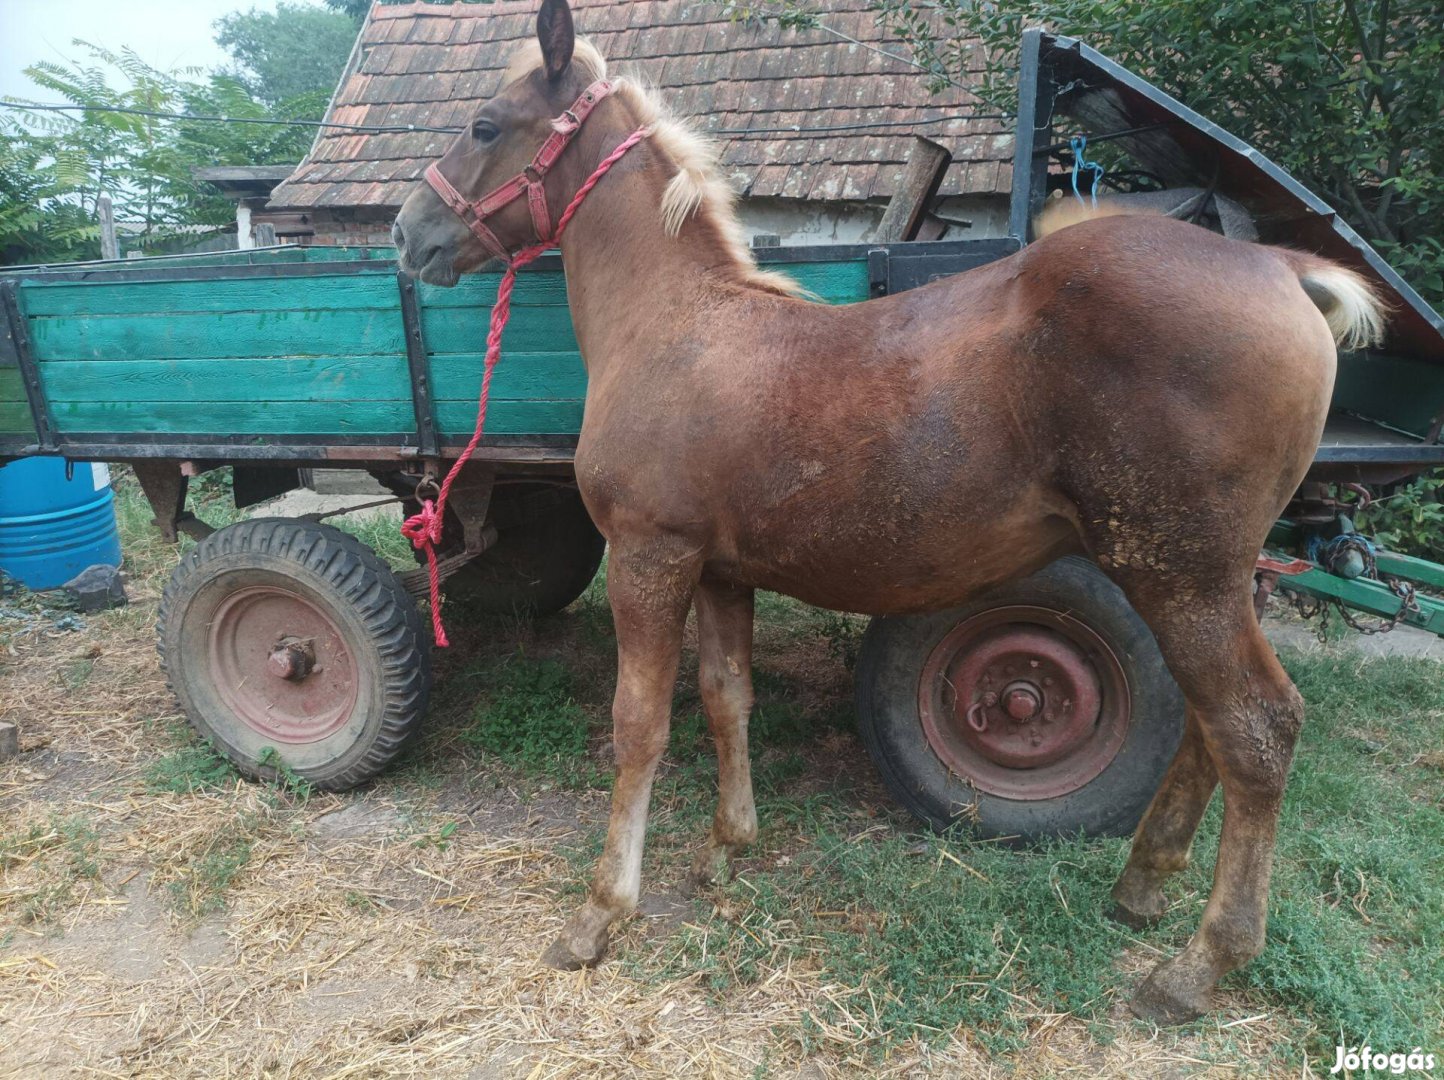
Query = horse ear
x=554 y=31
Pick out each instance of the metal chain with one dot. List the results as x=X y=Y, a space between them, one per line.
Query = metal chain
x=1320 y=607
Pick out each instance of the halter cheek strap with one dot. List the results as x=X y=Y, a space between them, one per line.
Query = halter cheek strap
x=530 y=182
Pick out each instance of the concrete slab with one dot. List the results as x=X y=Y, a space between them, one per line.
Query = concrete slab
x=346 y=482
x=1294 y=633
x=303 y=501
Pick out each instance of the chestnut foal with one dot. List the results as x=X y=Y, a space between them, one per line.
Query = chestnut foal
x=1132 y=389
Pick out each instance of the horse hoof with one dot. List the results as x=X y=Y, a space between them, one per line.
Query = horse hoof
x=694 y=884
x=1159 y=1000
x=708 y=868
x=1136 y=920
x=1138 y=902
x=563 y=957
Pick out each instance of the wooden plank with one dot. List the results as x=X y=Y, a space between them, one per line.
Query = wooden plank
x=343 y=292
x=14 y=406
x=539 y=376
x=458 y=418
x=332 y=378
x=105 y=211
x=255 y=334
x=380 y=419
x=531 y=330
x=834 y=283
x=540 y=288
x=281 y=256
x=232 y=417
x=927 y=163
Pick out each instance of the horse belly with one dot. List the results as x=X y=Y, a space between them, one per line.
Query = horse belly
x=881 y=563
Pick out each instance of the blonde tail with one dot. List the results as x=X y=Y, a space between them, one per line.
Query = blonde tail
x=1349 y=303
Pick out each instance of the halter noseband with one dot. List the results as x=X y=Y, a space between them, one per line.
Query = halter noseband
x=530 y=182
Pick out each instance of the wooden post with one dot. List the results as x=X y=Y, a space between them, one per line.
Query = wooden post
x=109 y=248
x=265 y=234
x=926 y=166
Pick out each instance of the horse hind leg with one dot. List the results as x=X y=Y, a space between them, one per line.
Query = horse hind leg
x=1248 y=715
x=1161 y=844
x=724 y=640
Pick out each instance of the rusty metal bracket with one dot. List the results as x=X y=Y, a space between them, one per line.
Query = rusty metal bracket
x=165 y=484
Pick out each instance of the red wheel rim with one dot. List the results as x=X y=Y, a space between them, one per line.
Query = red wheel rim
x=1024 y=702
x=280 y=664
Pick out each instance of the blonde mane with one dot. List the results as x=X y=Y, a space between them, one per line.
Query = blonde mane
x=698 y=188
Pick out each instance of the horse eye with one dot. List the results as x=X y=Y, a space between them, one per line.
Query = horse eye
x=484 y=131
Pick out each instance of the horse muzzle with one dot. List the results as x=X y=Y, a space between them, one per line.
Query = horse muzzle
x=433 y=263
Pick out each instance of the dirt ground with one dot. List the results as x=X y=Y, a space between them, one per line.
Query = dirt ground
x=238 y=930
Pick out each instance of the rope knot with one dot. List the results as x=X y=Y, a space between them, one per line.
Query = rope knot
x=423 y=529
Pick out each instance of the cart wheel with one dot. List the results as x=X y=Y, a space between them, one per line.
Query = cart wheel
x=546 y=554
x=290 y=642
x=1042 y=710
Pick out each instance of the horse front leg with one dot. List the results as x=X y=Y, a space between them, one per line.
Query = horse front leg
x=724 y=646
x=650 y=591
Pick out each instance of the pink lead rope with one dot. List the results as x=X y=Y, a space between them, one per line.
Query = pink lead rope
x=424 y=529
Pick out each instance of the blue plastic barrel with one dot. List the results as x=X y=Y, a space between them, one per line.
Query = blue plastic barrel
x=52 y=528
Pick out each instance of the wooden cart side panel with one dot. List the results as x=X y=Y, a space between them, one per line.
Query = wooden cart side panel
x=315 y=355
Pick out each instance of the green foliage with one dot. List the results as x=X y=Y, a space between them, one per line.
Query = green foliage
x=843 y=634
x=1411 y=519
x=529 y=718
x=284 y=779
x=188 y=769
x=355 y=10
x=440 y=839
x=1345 y=94
x=54 y=167
x=297 y=50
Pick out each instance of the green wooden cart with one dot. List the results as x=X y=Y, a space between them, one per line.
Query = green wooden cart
x=290 y=643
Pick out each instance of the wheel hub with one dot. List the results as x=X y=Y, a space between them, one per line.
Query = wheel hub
x=281 y=665
x=1024 y=702
x=292 y=659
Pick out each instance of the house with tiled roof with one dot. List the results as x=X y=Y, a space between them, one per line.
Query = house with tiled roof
x=815 y=125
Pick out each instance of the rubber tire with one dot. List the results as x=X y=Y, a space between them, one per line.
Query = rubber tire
x=377 y=617
x=546 y=553
x=891 y=658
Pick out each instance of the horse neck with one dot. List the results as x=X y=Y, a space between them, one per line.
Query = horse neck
x=624 y=273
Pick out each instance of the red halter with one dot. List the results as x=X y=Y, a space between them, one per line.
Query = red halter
x=530 y=182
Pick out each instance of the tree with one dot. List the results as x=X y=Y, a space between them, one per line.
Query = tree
x=54 y=166
x=354 y=9
x=1345 y=94
x=297 y=49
